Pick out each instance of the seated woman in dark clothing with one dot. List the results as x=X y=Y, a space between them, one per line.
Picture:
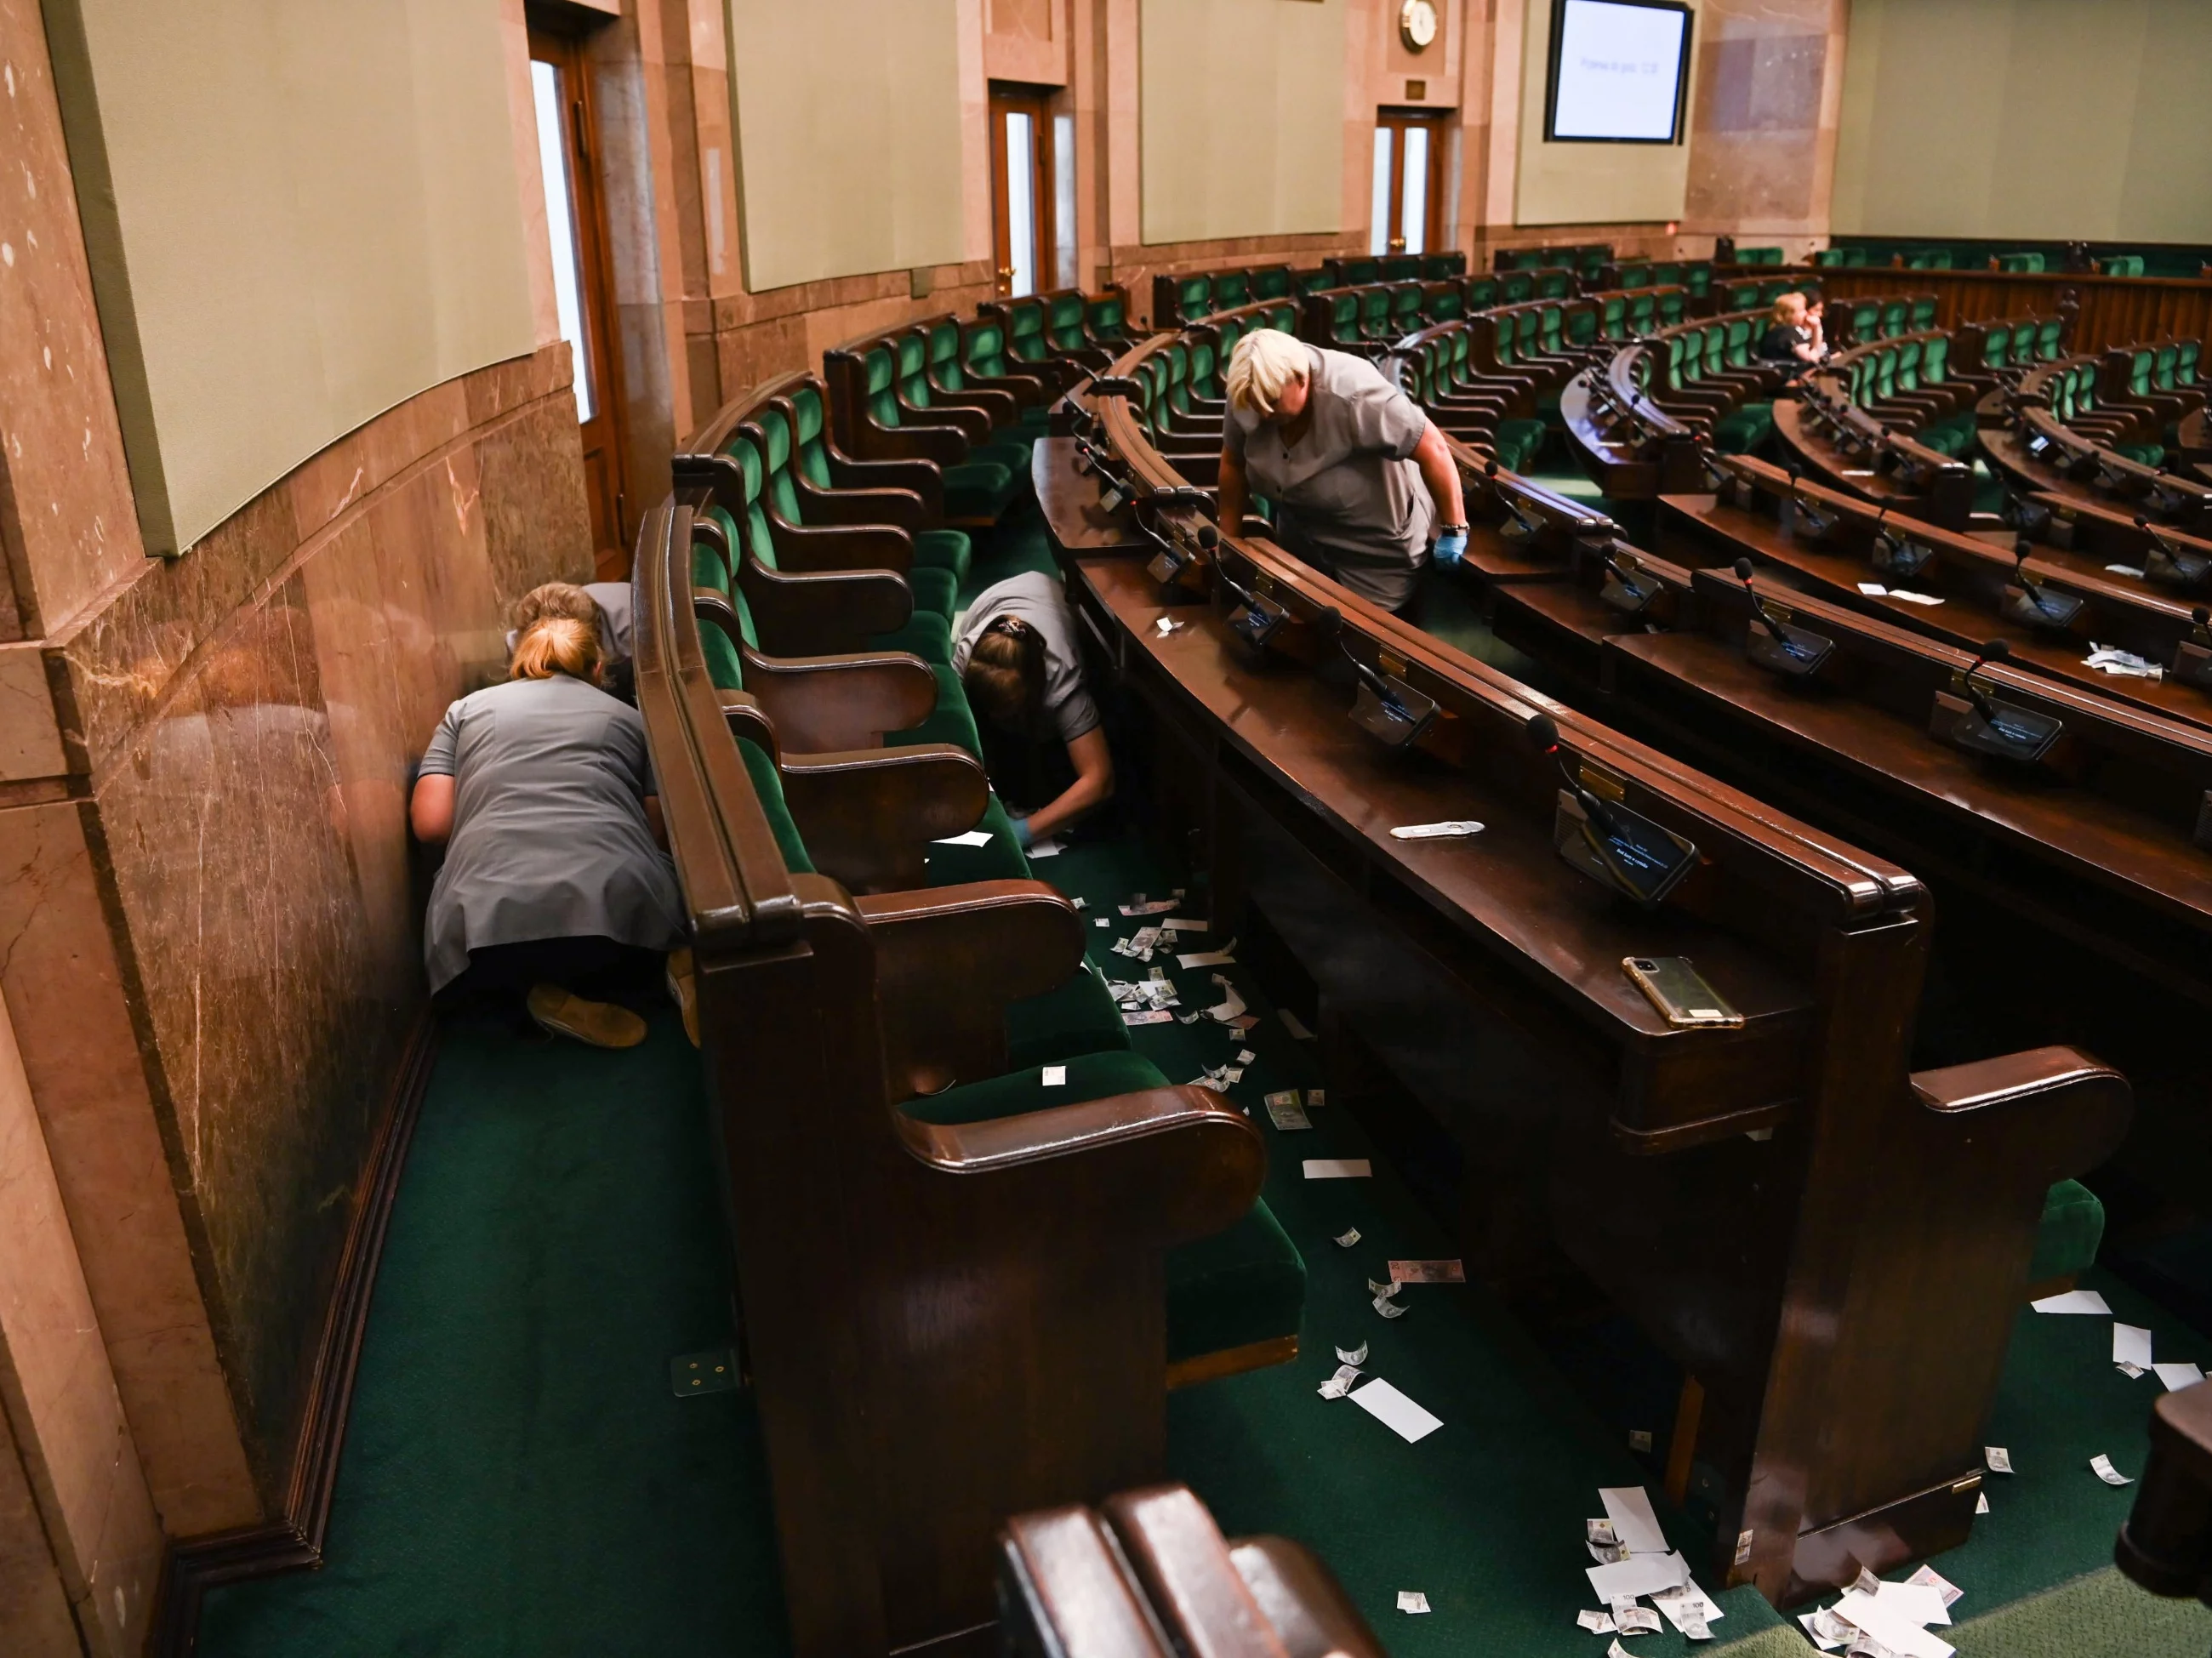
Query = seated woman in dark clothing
x=1795 y=332
x=553 y=882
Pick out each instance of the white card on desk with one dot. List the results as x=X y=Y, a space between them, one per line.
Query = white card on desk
x=1629 y=1508
x=1395 y=1411
x=1338 y=1168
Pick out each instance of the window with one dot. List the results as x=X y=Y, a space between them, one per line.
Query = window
x=545 y=86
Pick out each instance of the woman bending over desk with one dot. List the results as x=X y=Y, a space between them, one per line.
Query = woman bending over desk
x=1360 y=478
x=555 y=887
x=1042 y=744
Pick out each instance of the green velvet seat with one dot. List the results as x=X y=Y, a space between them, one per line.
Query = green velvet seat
x=2066 y=1240
x=946 y=550
x=1078 y=1017
x=1241 y=1287
x=975 y=491
x=1004 y=447
x=1741 y=430
x=1517 y=442
x=937 y=554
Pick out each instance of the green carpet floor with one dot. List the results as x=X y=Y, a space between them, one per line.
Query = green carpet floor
x=518 y=1478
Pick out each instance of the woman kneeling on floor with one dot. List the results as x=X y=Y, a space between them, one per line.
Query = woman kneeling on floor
x=554 y=885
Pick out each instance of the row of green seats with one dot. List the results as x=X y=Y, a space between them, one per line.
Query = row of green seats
x=2074 y=401
x=1908 y=382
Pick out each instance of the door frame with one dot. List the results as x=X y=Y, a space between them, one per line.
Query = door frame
x=1035 y=102
x=580 y=140
x=1438 y=125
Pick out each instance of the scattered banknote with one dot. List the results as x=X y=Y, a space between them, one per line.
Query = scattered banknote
x=1150 y=1016
x=1382 y=1291
x=1284 y=1111
x=1139 y=906
x=1634 y=1619
x=1353 y=1356
x=1316 y=1097
x=1597 y=1623
x=1412 y=1600
x=1339 y=1384
x=1998 y=1458
x=1346 y=1238
x=2101 y=1466
x=1389 y=1309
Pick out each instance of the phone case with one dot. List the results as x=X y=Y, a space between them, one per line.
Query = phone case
x=1672 y=986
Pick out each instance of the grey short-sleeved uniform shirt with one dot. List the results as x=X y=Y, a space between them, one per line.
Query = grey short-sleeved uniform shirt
x=1037 y=599
x=1347 y=494
x=550 y=836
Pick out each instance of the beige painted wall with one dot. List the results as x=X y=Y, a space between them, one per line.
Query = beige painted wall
x=849 y=121
x=2035 y=118
x=1572 y=184
x=1241 y=131
x=315 y=216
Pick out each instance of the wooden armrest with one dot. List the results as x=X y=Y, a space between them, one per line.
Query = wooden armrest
x=1311 y=1612
x=999 y=406
x=823 y=609
x=902 y=507
x=973 y=424
x=919 y=441
x=1166 y=1164
x=920 y=478
x=2084 y=1106
x=1025 y=389
x=867 y=816
x=810 y=549
x=1066 y=1592
x=949 y=959
x=1181 y=1560
x=835 y=704
x=743 y=714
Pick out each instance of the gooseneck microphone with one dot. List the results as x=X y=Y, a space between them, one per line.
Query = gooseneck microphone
x=1546 y=731
x=2203 y=619
x=1990 y=650
x=1759 y=619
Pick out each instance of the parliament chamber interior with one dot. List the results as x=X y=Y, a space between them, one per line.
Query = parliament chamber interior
x=1105 y=828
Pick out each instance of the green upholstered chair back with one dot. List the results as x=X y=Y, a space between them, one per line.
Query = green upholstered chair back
x=1064 y=320
x=1698 y=278
x=944 y=355
x=1457 y=370
x=1923 y=313
x=2162 y=372
x=1666 y=274
x=2124 y=265
x=1438 y=267
x=1445 y=302
x=1739 y=342
x=1178 y=381
x=1613 y=316
x=1642 y=306
x=1202 y=381
x=1357 y=273
x=1828 y=257
x=1742 y=296
x=1514 y=286
x=1555 y=284
x=1231 y=289
x=2142 y=361
x=1894 y=315
x=1996 y=346
x=1637 y=275
x=813 y=454
x=775 y=454
x=1525 y=324
x=1399 y=268
x=1481 y=293
x=987 y=348
x=1344 y=317
x=2046 y=338
x=1935 y=360
x=1673 y=303
x=1193 y=297
x=881 y=369
x=2023 y=342
x=914 y=369
x=1885 y=374
x=1225 y=341
x=1303 y=282
x=1272 y=282
x=1581 y=326
x=1501 y=337
x=768 y=788
x=1405 y=308
x=1375 y=314
x=1550 y=323
x=2185 y=362
x=754 y=538
x=1108 y=317
x=1025 y=341
x=1527 y=258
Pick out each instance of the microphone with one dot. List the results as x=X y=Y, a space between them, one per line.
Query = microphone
x=1208 y=536
x=1546 y=731
x=1990 y=650
x=1759 y=619
x=2203 y=619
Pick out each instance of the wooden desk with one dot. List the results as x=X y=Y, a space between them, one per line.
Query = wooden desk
x=1070 y=501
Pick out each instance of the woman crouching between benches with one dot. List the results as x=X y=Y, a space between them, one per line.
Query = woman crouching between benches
x=1017 y=660
x=555 y=887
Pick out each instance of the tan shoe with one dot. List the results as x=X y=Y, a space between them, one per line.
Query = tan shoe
x=600 y=1023
x=684 y=990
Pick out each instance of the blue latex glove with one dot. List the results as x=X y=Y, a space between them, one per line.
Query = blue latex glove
x=1021 y=823
x=1451 y=547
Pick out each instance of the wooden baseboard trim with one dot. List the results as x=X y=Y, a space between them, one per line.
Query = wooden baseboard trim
x=1232 y=1361
x=195 y=1565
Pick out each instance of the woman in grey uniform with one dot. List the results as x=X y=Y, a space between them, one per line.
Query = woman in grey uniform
x=554 y=881
x=1017 y=657
x=1360 y=479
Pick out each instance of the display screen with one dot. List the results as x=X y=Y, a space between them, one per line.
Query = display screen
x=1617 y=71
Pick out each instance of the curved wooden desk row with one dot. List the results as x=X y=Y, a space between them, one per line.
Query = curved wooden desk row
x=1853 y=450
x=2040 y=455
x=1833 y=1247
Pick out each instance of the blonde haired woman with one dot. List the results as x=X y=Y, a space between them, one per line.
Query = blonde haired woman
x=553 y=884
x=1359 y=478
x=1794 y=331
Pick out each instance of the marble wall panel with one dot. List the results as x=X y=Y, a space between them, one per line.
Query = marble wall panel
x=1763 y=139
x=34 y=1608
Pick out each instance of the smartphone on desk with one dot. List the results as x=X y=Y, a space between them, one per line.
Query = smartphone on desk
x=1680 y=993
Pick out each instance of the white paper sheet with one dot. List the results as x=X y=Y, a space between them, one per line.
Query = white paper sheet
x=1913 y=598
x=1453 y=829
x=1207 y=959
x=1890 y=1627
x=2178 y=1376
x=2074 y=1300
x=1395 y=1411
x=1412 y=1600
x=1873 y=589
x=972 y=838
x=1338 y=1168
x=1680 y=1604
x=1922 y=1602
x=1629 y=1508
x=1048 y=847
x=2131 y=1344
x=1056 y=1076
x=1640 y=1574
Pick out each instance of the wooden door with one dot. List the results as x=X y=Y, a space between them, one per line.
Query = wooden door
x=1409 y=184
x=1023 y=177
x=583 y=289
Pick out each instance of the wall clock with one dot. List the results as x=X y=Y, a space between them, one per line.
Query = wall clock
x=1417 y=24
